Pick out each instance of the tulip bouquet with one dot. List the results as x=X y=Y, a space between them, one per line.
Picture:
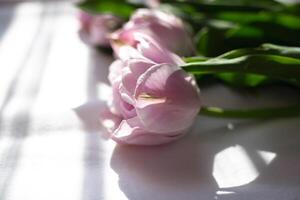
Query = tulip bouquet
x=164 y=49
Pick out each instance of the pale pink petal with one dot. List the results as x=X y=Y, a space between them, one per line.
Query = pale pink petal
x=98 y=35
x=114 y=102
x=126 y=95
x=167 y=101
x=150 y=49
x=133 y=70
x=124 y=44
x=121 y=103
x=168 y=30
x=85 y=20
x=140 y=42
x=95 y=28
x=109 y=121
x=121 y=37
x=118 y=105
x=125 y=52
x=131 y=132
x=115 y=71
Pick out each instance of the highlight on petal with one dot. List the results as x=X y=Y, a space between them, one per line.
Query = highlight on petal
x=124 y=45
x=115 y=70
x=126 y=52
x=150 y=49
x=115 y=99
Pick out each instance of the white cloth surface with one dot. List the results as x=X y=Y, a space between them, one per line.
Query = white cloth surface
x=52 y=146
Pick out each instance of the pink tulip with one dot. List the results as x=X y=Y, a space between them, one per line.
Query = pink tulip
x=155 y=99
x=168 y=30
x=95 y=29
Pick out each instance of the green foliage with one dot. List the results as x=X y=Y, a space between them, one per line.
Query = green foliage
x=223 y=25
x=116 y=7
x=247 y=30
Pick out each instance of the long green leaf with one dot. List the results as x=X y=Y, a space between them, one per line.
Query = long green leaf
x=264 y=49
x=205 y=6
x=278 y=67
x=244 y=79
x=261 y=113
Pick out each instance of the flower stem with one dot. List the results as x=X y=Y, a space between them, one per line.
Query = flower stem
x=278 y=67
x=261 y=113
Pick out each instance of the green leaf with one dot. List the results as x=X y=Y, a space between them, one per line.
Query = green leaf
x=261 y=3
x=245 y=79
x=261 y=113
x=211 y=7
x=195 y=59
x=293 y=52
x=264 y=49
x=115 y=7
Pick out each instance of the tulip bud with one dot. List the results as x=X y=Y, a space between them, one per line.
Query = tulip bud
x=95 y=29
x=168 y=30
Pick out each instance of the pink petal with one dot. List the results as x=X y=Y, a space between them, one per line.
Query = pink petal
x=167 y=99
x=150 y=49
x=114 y=101
x=118 y=105
x=126 y=52
x=168 y=30
x=109 y=121
x=123 y=44
x=98 y=35
x=115 y=71
x=85 y=20
x=130 y=74
x=131 y=131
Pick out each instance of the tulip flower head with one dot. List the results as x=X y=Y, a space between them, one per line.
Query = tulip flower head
x=155 y=100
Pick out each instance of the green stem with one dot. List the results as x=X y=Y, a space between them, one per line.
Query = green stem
x=264 y=49
x=210 y=7
x=278 y=67
x=262 y=113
